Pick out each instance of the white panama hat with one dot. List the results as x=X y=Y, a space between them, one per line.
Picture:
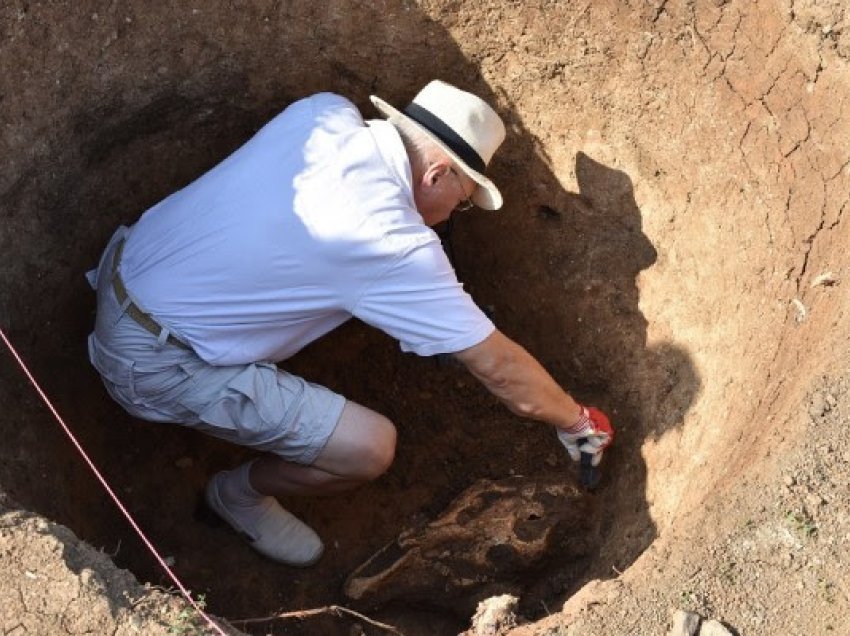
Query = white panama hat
x=463 y=125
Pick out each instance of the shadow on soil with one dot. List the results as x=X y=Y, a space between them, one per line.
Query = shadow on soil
x=558 y=269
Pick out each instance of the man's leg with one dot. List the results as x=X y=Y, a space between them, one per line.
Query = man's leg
x=360 y=449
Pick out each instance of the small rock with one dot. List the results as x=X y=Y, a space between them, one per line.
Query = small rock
x=814 y=500
x=714 y=628
x=494 y=615
x=184 y=462
x=684 y=623
x=819 y=405
x=789 y=480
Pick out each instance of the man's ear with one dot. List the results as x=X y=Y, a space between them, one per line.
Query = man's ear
x=436 y=170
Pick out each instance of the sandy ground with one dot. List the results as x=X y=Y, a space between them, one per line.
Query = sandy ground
x=53 y=583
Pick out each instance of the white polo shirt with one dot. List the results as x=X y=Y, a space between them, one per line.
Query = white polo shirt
x=309 y=223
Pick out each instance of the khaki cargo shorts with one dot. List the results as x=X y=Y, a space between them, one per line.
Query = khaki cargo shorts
x=256 y=405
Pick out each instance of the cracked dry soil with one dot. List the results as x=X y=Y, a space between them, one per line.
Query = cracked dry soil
x=672 y=248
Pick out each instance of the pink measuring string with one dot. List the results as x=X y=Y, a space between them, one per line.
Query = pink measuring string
x=108 y=488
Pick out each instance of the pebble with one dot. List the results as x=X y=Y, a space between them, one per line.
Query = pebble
x=819 y=405
x=814 y=500
x=714 y=628
x=184 y=462
x=89 y=577
x=684 y=624
x=494 y=615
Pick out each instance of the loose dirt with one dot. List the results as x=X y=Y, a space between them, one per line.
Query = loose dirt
x=672 y=249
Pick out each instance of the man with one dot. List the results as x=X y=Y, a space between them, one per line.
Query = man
x=321 y=216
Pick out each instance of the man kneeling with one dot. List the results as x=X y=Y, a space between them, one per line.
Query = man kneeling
x=319 y=217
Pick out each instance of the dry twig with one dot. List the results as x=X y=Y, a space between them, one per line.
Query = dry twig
x=329 y=609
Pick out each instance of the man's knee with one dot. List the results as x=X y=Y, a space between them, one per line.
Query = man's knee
x=386 y=453
x=379 y=450
x=362 y=447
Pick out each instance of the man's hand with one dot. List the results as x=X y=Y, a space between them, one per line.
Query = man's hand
x=592 y=434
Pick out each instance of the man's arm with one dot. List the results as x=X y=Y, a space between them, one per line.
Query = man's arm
x=513 y=375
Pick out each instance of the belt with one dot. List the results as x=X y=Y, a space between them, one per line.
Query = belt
x=142 y=319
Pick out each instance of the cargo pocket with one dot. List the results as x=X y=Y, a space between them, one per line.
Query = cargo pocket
x=160 y=384
x=254 y=404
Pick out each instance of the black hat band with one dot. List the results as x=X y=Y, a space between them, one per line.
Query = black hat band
x=447 y=135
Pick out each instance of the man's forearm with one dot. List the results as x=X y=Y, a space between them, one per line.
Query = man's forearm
x=515 y=377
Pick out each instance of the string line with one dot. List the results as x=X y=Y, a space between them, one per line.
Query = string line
x=108 y=488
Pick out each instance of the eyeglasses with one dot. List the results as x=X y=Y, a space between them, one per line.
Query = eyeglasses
x=467 y=203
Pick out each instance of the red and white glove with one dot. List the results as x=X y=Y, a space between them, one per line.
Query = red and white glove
x=592 y=434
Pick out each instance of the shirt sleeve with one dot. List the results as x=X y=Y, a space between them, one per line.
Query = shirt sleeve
x=420 y=303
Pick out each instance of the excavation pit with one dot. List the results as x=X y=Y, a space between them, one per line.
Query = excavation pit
x=669 y=249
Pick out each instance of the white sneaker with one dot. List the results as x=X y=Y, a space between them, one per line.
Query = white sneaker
x=271 y=530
